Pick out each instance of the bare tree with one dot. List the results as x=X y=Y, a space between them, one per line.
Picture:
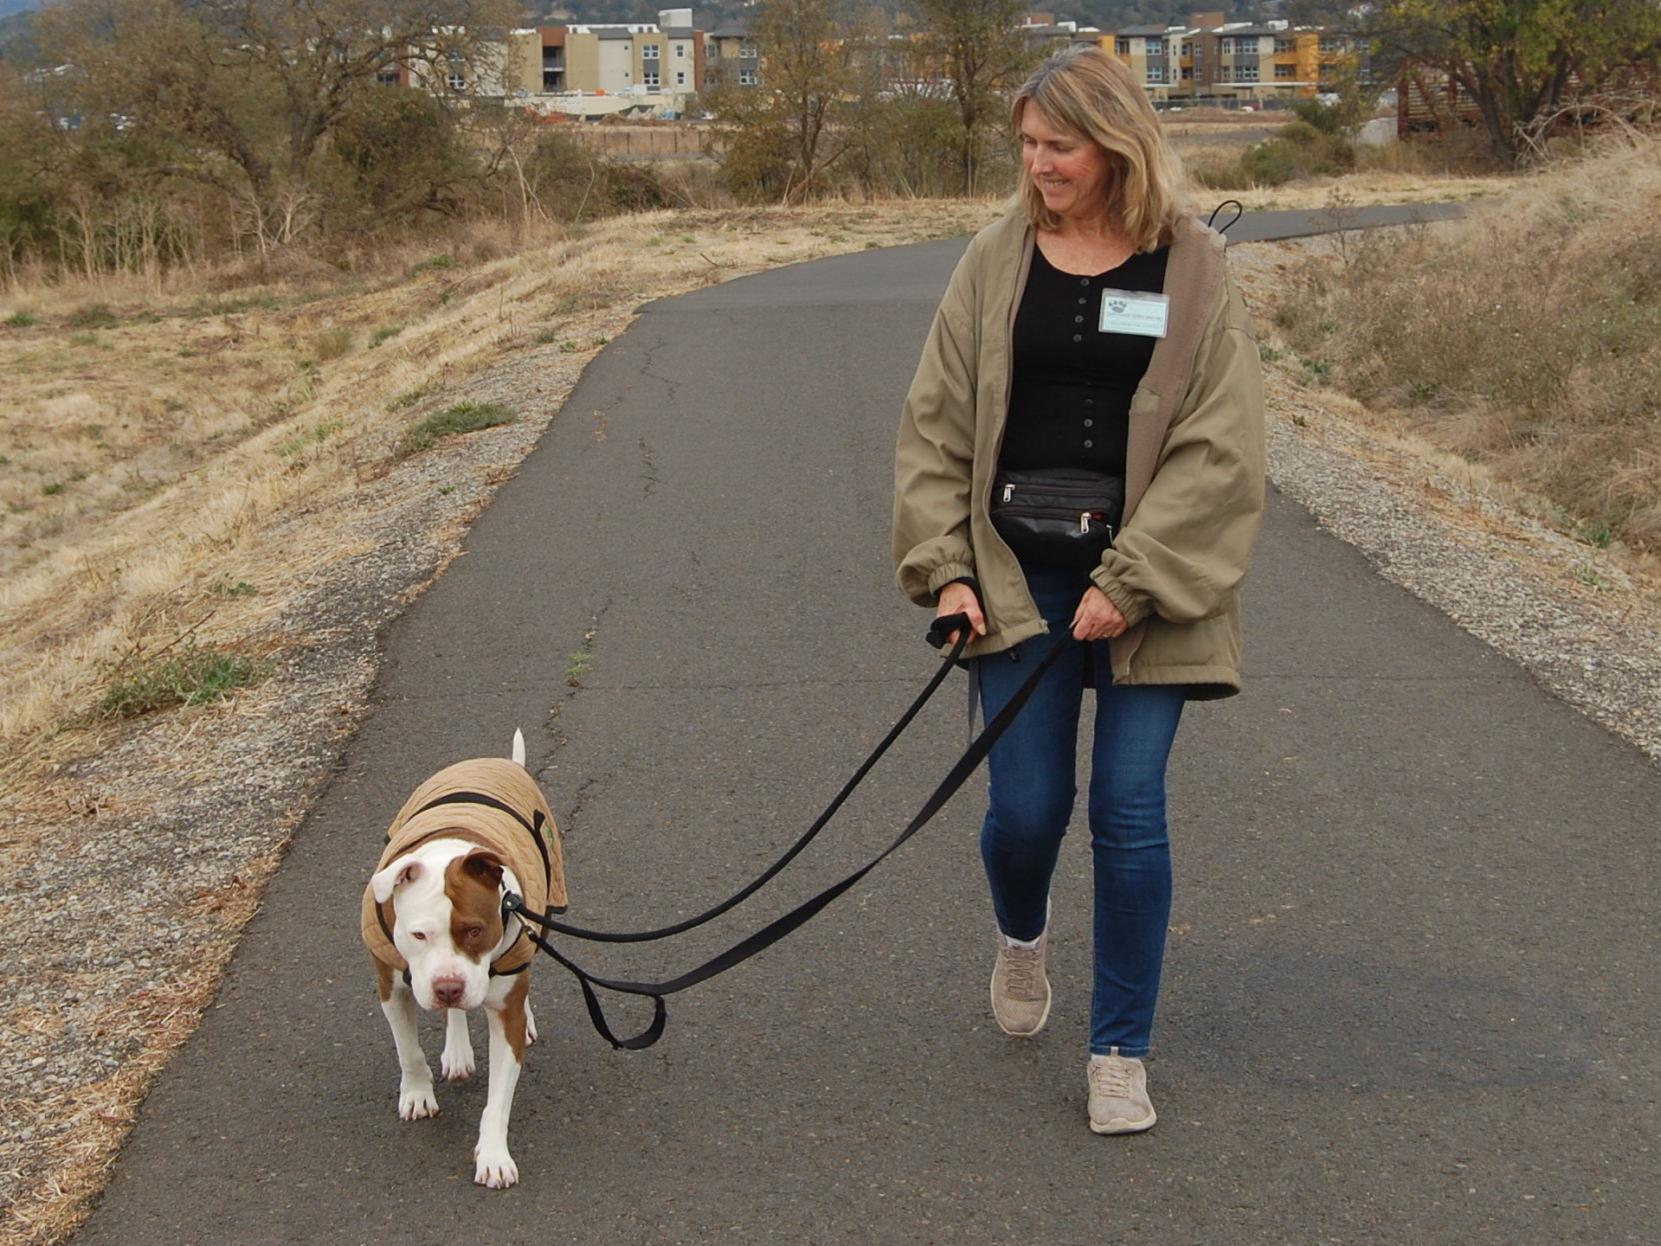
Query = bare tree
x=246 y=94
x=1521 y=60
x=980 y=55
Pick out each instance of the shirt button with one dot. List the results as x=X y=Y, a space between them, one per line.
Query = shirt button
x=1089 y=402
x=1088 y=444
x=1078 y=337
x=1090 y=423
x=1078 y=319
x=1084 y=281
x=1082 y=302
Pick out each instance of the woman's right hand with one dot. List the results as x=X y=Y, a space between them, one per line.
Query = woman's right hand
x=959 y=598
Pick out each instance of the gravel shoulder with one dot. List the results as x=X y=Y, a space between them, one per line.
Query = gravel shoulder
x=169 y=835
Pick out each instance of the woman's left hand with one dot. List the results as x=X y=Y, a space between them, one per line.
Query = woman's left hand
x=1097 y=618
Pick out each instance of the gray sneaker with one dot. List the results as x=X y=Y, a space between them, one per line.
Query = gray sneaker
x=1020 y=990
x=1119 y=1102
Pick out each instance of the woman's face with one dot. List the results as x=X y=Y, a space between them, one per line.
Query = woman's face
x=1070 y=172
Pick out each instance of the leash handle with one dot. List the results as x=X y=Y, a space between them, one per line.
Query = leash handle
x=798 y=916
x=940 y=632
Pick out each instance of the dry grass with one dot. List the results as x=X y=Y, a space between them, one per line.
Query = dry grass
x=147 y=464
x=1527 y=339
x=103 y=1112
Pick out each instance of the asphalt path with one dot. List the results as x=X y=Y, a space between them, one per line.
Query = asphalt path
x=1411 y=989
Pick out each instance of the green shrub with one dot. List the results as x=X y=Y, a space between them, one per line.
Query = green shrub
x=94 y=316
x=194 y=676
x=19 y=320
x=332 y=343
x=383 y=333
x=464 y=417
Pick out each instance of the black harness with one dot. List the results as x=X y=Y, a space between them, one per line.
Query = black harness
x=533 y=827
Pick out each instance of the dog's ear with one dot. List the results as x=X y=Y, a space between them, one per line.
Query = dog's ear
x=485 y=866
x=404 y=869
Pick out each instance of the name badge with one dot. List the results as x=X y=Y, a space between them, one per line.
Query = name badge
x=1135 y=312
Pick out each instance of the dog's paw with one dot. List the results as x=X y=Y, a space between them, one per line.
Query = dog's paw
x=494 y=1167
x=456 y=1066
x=416 y=1102
x=530 y=1026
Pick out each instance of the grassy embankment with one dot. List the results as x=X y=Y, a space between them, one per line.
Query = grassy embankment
x=157 y=445
x=1525 y=340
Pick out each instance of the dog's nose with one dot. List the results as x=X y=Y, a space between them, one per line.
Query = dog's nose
x=448 y=991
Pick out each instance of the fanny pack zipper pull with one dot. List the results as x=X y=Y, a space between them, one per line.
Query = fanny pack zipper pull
x=1009 y=492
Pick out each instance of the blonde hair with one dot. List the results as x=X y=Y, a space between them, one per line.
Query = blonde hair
x=1092 y=95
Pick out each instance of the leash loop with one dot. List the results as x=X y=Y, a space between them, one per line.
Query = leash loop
x=941 y=627
x=802 y=913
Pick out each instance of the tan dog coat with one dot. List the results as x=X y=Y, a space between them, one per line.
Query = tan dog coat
x=518 y=843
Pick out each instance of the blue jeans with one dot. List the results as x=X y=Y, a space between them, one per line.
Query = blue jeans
x=1032 y=786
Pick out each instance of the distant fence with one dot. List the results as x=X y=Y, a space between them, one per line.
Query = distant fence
x=648 y=140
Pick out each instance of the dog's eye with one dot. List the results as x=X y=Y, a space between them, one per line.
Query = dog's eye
x=419 y=935
x=472 y=932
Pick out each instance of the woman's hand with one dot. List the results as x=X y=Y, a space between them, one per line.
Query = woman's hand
x=959 y=598
x=1097 y=618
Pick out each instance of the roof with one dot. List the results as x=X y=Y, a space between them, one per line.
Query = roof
x=1142 y=30
x=1252 y=30
x=679 y=32
x=731 y=30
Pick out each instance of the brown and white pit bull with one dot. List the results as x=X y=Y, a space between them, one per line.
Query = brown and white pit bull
x=432 y=919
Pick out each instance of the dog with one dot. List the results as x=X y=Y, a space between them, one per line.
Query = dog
x=433 y=922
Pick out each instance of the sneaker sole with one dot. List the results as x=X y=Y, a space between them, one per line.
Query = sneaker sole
x=1119 y=1125
x=1049 y=998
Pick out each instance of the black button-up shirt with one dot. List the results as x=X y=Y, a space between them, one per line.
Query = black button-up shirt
x=1072 y=384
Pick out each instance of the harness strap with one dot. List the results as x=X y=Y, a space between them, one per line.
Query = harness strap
x=532 y=824
x=802 y=913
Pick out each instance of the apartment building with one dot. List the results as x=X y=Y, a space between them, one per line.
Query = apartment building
x=731 y=56
x=589 y=70
x=1223 y=61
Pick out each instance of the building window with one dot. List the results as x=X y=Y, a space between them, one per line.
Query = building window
x=680 y=51
x=747 y=48
x=1154 y=47
x=650 y=52
x=746 y=77
x=1188 y=47
x=1156 y=73
x=1225 y=73
x=1122 y=46
x=1285 y=71
x=1187 y=73
x=1332 y=44
x=1285 y=45
x=1225 y=45
x=650 y=79
x=680 y=77
x=1245 y=73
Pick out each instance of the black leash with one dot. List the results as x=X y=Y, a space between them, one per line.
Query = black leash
x=802 y=913
x=938 y=632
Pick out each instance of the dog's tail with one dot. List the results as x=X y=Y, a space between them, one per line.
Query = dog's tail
x=518 y=747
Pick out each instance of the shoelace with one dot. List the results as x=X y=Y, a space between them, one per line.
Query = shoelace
x=1110 y=1078
x=1021 y=972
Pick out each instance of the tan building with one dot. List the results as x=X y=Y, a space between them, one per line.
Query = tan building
x=731 y=56
x=1217 y=60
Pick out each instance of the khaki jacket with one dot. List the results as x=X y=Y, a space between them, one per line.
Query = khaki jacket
x=534 y=858
x=1194 y=465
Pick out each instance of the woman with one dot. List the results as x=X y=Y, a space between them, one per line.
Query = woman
x=1032 y=365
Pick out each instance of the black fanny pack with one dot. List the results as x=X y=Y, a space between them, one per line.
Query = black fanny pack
x=1059 y=515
